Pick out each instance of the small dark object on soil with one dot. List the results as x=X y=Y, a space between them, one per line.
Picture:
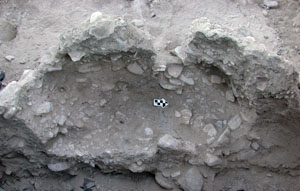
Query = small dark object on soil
x=2 y=76
x=88 y=185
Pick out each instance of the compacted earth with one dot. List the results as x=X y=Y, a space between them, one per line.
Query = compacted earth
x=150 y=95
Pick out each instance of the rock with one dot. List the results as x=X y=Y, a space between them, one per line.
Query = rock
x=212 y=160
x=192 y=180
x=223 y=138
x=177 y=114
x=76 y=55
x=170 y=144
x=166 y=85
x=175 y=174
x=135 y=69
x=57 y=167
x=119 y=116
x=215 y=79
x=159 y=68
x=64 y=130
x=102 y=29
x=44 y=108
x=219 y=124
x=95 y=16
x=10 y=113
x=148 y=132
x=265 y=13
x=187 y=80
x=235 y=122
x=9 y=58
x=210 y=130
x=179 y=52
x=8 y=31
x=229 y=96
x=249 y=116
x=255 y=146
x=163 y=182
x=134 y=167
x=115 y=57
x=186 y=116
x=271 y=4
x=107 y=86
x=61 y=120
x=176 y=82
x=79 y=123
x=174 y=70
x=103 y=102
x=138 y=22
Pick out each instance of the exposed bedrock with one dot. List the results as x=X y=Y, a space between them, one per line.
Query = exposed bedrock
x=91 y=101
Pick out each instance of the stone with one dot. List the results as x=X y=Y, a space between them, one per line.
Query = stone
x=186 y=116
x=148 y=132
x=8 y=31
x=10 y=113
x=249 y=116
x=171 y=144
x=64 y=130
x=102 y=29
x=76 y=55
x=265 y=13
x=115 y=57
x=59 y=166
x=138 y=22
x=176 y=82
x=135 y=69
x=175 y=174
x=215 y=79
x=179 y=52
x=271 y=4
x=159 y=68
x=229 y=96
x=192 y=180
x=235 y=122
x=44 y=108
x=255 y=146
x=79 y=124
x=223 y=138
x=174 y=70
x=163 y=182
x=96 y=16
x=61 y=120
x=166 y=85
x=103 y=102
x=219 y=124
x=212 y=160
x=107 y=86
x=187 y=80
x=120 y=116
x=177 y=114
x=9 y=58
x=210 y=130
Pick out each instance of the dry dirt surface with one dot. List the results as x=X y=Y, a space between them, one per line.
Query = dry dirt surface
x=78 y=109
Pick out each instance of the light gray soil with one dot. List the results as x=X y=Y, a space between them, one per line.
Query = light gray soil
x=99 y=112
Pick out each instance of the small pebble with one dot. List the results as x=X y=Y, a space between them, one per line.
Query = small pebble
x=9 y=58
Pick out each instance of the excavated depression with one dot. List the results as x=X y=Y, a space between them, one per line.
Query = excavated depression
x=91 y=101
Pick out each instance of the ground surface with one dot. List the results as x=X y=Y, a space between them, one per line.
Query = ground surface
x=39 y=25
